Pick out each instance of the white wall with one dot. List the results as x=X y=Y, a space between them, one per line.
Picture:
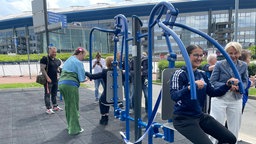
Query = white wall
x=24 y=69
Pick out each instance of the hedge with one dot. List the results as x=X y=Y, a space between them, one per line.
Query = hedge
x=36 y=57
x=178 y=64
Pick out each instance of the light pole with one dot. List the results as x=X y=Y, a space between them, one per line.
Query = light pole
x=255 y=34
x=236 y=19
x=46 y=24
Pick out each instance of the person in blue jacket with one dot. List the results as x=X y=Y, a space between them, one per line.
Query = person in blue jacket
x=188 y=117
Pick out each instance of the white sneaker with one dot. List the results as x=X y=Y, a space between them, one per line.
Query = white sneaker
x=50 y=111
x=82 y=130
x=57 y=108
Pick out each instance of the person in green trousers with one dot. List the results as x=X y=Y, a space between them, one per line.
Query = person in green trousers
x=72 y=74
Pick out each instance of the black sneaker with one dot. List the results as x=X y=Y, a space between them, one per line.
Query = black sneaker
x=104 y=120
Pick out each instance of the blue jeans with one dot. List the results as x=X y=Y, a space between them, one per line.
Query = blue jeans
x=131 y=97
x=97 y=83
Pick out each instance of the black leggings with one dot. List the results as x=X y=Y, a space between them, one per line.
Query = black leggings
x=104 y=106
x=196 y=129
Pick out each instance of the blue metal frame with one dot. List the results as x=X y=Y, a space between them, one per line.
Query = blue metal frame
x=121 y=29
x=167 y=25
x=171 y=13
x=122 y=20
x=220 y=48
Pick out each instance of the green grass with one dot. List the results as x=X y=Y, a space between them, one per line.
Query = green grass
x=28 y=85
x=20 y=85
x=252 y=92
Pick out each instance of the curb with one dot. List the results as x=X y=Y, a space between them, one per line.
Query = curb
x=252 y=97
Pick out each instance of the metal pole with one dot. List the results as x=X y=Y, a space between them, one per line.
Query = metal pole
x=255 y=34
x=3 y=69
x=210 y=26
x=137 y=76
x=46 y=25
x=15 y=42
x=236 y=19
x=28 y=49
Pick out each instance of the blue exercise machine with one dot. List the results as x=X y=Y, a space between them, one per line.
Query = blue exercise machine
x=166 y=11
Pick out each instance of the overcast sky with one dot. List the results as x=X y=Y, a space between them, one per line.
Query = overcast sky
x=11 y=7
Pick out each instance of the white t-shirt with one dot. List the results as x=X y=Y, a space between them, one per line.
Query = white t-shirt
x=98 y=68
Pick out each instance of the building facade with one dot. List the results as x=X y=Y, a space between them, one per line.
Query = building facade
x=214 y=17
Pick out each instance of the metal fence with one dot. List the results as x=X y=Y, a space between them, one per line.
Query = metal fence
x=32 y=69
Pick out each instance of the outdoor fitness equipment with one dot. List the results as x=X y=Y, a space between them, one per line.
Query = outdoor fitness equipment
x=113 y=91
x=171 y=14
x=170 y=17
x=121 y=29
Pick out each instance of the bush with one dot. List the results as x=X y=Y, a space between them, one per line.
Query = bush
x=252 y=69
x=163 y=64
x=36 y=57
x=254 y=56
x=178 y=64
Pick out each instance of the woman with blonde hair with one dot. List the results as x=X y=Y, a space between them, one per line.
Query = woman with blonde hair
x=229 y=106
x=103 y=104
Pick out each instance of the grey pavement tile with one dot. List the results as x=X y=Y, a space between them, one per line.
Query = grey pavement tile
x=6 y=133
x=102 y=138
x=26 y=131
x=54 y=127
x=25 y=122
x=62 y=137
x=5 y=121
x=36 y=138
x=6 y=140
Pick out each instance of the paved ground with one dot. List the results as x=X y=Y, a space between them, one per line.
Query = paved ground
x=24 y=121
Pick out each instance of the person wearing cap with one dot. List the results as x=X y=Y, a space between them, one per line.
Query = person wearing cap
x=50 y=67
x=98 y=66
x=72 y=75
